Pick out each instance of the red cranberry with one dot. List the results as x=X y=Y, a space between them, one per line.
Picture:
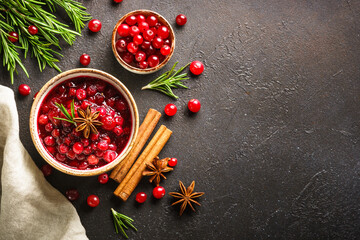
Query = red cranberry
x=128 y=57
x=120 y=105
x=60 y=157
x=172 y=162
x=72 y=92
x=102 y=145
x=143 y=64
x=93 y=200
x=165 y=50
x=140 y=56
x=95 y=25
x=71 y=154
x=149 y=35
x=138 y=39
x=67 y=140
x=13 y=37
x=167 y=42
x=121 y=45
x=87 y=150
x=83 y=165
x=103 y=178
x=123 y=30
x=151 y=20
x=163 y=32
x=140 y=18
x=94 y=136
x=99 y=98
x=85 y=142
x=157 y=42
x=51 y=150
x=145 y=45
x=170 y=109
x=24 y=89
x=85 y=104
x=91 y=90
x=106 y=139
x=85 y=59
x=158 y=192
x=131 y=20
x=110 y=102
x=119 y=121
x=102 y=111
x=99 y=153
x=92 y=160
x=49 y=141
x=78 y=148
x=63 y=148
x=153 y=61
x=55 y=133
x=109 y=156
x=49 y=127
x=181 y=19
x=112 y=147
x=132 y=47
x=118 y=1
x=46 y=170
x=141 y=197
x=150 y=51
x=108 y=123
x=43 y=119
x=196 y=67
x=143 y=26
x=72 y=194
x=194 y=105
x=118 y=130
x=134 y=30
x=73 y=163
x=33 y=29
x=80 y=94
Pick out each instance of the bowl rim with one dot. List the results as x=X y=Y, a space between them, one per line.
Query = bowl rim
x=53 y=82
x=135 y=69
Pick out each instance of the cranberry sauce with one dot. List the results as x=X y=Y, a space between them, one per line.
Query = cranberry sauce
x=70 y=147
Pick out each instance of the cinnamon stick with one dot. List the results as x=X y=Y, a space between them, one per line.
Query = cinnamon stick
x=145 y=130
x=134 y=176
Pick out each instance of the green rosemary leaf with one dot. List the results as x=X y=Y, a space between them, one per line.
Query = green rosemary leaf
x=168 y=80
x=122 y=221
x=67 y=120
x=72 y=109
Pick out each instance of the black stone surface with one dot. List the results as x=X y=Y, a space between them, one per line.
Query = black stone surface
x=275 y=146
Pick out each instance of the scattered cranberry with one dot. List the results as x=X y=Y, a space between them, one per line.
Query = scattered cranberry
x=170 y=109
x=24 y=89
x=103 y=178
x=165 y=50
x=153 y=61
x=33 y=29
x=172 y=162
x=196 y=67
x=95 y=25
x=194 y=105
x=72 y=194
x=93 y=200
x=158 y=192
x=46 y=170
x=85 y=59
x=123 y=30
x=141 y=197
x=181 y=19
x=14 y=37
x=35 y=95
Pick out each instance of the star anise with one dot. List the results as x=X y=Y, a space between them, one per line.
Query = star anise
x=86 y=121
x=156 y=170
x=186 y=196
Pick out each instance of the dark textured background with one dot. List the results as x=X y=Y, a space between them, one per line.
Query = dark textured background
x=275 y=146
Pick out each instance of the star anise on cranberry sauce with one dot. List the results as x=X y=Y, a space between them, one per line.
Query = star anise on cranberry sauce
x=186 y=196
x=86 y=121
x=156 y=169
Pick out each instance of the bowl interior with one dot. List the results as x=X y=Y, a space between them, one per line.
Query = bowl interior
x=115 y=37
x=62 y=78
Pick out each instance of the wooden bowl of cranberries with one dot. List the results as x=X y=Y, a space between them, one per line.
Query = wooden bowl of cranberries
x=83 y=122
x=143 y=41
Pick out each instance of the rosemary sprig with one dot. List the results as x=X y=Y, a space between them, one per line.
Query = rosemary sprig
x=18 y=15
x=168 y=80
x=69 y=117
x=121 y=221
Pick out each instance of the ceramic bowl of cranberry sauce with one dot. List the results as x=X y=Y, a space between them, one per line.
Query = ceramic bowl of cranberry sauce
x=143 y=41
x=100 y=122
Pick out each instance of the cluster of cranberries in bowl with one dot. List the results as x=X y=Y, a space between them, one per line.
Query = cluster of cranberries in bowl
x=143 y=42
x=69 y=146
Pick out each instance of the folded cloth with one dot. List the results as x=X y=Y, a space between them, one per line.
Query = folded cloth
x=30 y=208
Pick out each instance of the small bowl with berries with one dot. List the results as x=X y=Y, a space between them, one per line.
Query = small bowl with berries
x=143 y=41
x=83 y=122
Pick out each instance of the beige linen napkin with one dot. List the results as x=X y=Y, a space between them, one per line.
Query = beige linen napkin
x=30 y=208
